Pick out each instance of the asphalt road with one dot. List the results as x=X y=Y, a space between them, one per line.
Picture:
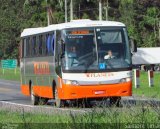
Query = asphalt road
x=10 y=92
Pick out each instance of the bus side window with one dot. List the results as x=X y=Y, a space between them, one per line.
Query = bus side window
x=37 y=46
x=27 y=47
x=23 y=46
x=40 y=45
x=48 y=44
x=44 y=45
x=52 y=44
x=33 y=46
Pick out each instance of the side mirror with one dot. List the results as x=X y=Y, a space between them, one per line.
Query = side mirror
x=133 y=45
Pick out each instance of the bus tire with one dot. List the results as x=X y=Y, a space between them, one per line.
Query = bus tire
x=43 y=101
x=34 y=98
x=115 y=101
x=58 y=102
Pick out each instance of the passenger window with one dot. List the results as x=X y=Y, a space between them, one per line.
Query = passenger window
x=37 y=46
x=23 y=48
x=40 y=45
x=27 y=47
x=44 y=45
x=30 y=47
x=52 y=44
x=33 y=46
x=48 y=44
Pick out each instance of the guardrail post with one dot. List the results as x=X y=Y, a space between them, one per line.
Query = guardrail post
x=136 y=78
x=150 y=78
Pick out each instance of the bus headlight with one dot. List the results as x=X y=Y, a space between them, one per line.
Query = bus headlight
x=70 y=82
x=125 y=79
x=128 y=79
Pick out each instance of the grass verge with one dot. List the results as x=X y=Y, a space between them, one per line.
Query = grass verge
x=9 y=74
x=116 y=118
x=144 y=90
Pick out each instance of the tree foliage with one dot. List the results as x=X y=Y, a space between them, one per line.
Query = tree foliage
x=142 y=18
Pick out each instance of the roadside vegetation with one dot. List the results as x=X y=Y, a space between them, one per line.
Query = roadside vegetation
x=144 y=90
x=10 y=74
x=116 y=118
x=140 y=16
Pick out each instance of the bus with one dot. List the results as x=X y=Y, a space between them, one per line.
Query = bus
x=67 y=62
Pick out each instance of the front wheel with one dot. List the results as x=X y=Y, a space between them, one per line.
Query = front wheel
x=58 y=102
x=115 y=101
x=43 y=101
x=34 y=98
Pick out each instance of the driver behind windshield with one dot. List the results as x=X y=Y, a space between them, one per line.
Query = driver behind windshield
x=109 y=55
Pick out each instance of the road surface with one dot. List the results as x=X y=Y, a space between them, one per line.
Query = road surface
x=10 y=92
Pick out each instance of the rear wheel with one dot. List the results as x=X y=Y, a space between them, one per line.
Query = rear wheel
x=43 y=101
x=34 y=98
x=58 y=102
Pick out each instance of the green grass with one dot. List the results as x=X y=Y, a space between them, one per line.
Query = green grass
x=9 y=74
x=116 y=117
x=144 y=90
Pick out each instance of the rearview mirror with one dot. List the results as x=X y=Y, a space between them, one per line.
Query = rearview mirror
x=133 y=45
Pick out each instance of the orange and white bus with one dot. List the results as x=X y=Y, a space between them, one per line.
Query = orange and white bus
x=69 y=62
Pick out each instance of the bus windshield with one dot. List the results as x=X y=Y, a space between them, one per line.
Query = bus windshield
x=96 y=49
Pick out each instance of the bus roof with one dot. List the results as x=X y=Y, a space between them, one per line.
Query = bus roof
x=72 y=24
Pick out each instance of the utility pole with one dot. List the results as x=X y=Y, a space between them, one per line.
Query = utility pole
x=71 y=10
x=65 y=10
x=48 y=18
x=100 y=10
x=106 y=8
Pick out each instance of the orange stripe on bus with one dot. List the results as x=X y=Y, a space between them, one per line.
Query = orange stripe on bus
x=95 y=91
x=43 y=91
x=76 y=92
x=25 y=90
